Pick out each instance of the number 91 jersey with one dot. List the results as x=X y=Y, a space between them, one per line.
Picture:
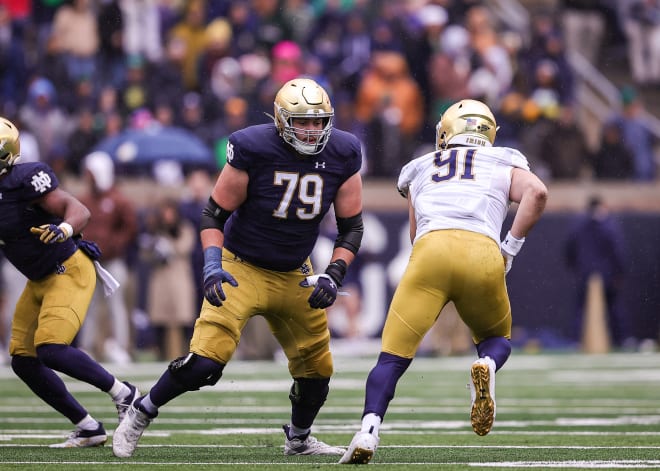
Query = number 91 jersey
x=461 y=188
x=288 y=194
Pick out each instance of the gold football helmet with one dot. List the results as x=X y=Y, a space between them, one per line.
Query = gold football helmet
x=10 y=146
x=303 y=98
x=467 y=122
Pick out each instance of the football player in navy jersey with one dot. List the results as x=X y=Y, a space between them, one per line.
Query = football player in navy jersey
x=40 y=235
x=458 y=197
x=258 y=230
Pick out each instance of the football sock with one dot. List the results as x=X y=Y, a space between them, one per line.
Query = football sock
x=297 y=431
x=370 y=424
x=87 y=423
x=147 y=406
x=307 y=396
x=119 y=391
x=381 y=382
x=165 y=389
x=46 y=384
x=75 y=363
x=497 y=348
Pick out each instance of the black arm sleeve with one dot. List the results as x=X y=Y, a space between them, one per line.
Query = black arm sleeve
x=213 y=216
x=350 y=232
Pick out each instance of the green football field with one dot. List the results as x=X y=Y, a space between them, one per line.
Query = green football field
x=567 y=411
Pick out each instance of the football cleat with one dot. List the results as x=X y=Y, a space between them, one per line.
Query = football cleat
x=127 y=435
x=84 y=438
x=482 y=393
x=361 y=450
x=123 y=405
x=307 y=445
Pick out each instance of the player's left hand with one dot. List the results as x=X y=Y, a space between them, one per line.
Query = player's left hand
x=510 y=247
x=51 y=233
x=325 y=290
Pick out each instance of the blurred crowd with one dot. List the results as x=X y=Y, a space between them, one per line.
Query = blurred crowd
x=74 y=73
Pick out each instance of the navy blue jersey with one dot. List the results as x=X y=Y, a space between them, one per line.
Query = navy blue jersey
x=288 y=194
x=19 y=188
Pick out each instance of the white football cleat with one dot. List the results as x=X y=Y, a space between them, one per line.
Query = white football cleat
x=84 y=438
x=482 y=394
x=308 y=445
x=122 y=406
x=361 y=450
x=129 y=431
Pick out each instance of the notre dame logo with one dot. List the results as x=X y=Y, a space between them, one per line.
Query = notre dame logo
x=230 y=151
x=41 y=182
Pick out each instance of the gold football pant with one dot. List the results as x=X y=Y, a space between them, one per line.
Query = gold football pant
x=449 y=265
x=300 y=330
x=52 y=309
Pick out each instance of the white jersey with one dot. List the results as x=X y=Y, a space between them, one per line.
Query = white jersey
x=461 y=188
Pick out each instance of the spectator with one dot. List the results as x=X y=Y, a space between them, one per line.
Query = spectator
x=390 y=106
x=613 y=160
x=12 y=64
x=191 y=31
x=564 y=148
x=167 y=247
x=641 y=22
x=287 y=63
x=141 y=32
x=583 y=27
x=81 y=141
x=45 y=119
x=76 y=32
x=492 y=68
x=134 y=92
x=217 y=47
x=198 y=189
x=595 y=245
x=636 y=135
x=113 y=226
x=110 y=23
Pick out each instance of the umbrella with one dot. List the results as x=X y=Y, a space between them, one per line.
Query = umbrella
x=141 y=148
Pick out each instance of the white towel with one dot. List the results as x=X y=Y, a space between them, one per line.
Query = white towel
x=110 y=284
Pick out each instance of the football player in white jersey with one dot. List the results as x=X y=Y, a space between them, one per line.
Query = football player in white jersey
x=458 y=198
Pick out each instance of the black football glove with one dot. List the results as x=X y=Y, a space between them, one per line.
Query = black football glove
x=325 y=285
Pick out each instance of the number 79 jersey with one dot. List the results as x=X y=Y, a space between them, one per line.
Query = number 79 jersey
x=461 y=188
x=288 y=194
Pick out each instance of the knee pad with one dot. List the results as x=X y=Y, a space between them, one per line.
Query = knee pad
x=309 y=391
x=192 y=371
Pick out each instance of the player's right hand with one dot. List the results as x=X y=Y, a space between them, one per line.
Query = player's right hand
x=51 y=233
x=213 y=291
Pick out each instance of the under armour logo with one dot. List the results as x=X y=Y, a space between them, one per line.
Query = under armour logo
x=305 y=269
x=319 y=164
x=41 y=181
x=60 y=269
